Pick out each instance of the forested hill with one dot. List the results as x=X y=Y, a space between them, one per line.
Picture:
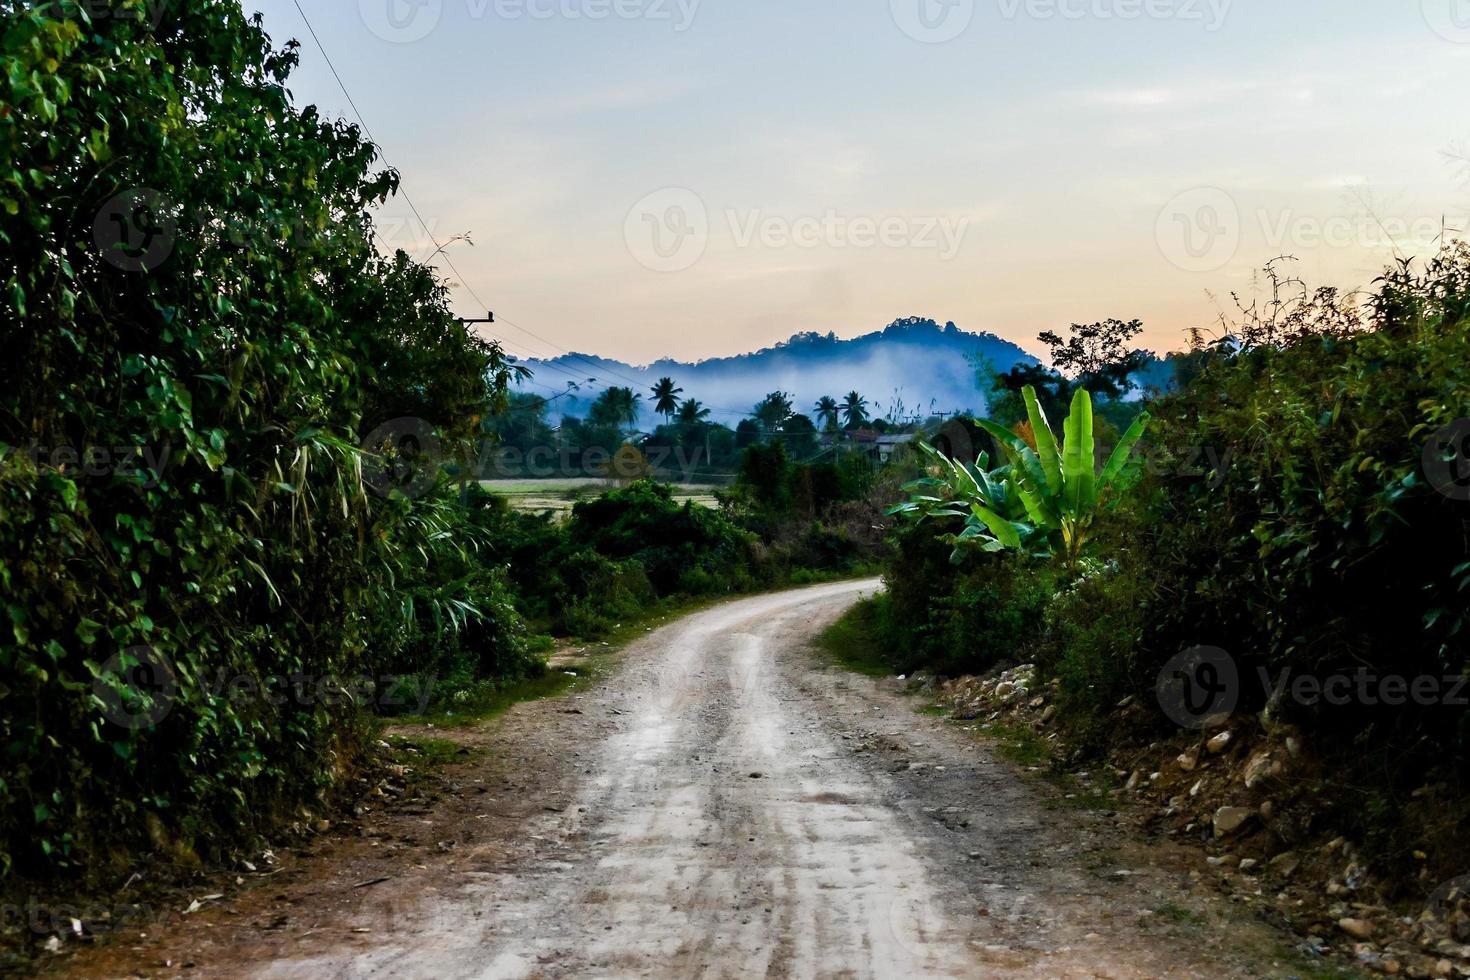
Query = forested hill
x=913 y=365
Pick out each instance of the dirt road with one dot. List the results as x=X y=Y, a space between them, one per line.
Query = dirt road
x=727 y=806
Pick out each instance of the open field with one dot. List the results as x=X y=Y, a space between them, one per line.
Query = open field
x=538 y=496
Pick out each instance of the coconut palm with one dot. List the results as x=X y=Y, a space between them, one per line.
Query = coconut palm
x=666 y=397
x=692 y=412
x=616 y=407
x=827 y=410
x=854 y=410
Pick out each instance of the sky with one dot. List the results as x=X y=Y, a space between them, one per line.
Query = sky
x=696 y=178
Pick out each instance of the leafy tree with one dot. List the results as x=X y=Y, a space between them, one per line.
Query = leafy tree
x=666 y=397
x=1098 y=356
x=774 y=410
x=800 y=436
x=523 y=424
x=854 y=410
x=747 y=433
x=190 y=269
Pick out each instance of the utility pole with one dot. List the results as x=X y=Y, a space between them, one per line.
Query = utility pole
x=489 y=318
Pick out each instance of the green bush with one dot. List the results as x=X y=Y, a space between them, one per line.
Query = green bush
x=642 y=522
x=1321 y=549
x=965 y=619
x=1328 y=534
x=243 y=359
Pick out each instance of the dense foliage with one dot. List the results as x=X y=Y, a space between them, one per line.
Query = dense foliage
x=199 y=330
x=1304 y=505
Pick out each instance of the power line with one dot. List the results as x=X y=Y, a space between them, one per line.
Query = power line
x=441 y=250
x=438 y=249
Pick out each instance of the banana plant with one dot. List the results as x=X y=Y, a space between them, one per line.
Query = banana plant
x=1042 y=502
x=987 y=501
x=1059 y=485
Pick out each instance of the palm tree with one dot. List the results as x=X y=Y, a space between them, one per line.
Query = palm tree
x=827 y=410
x=617 y=407
x=666 y=397
x=854 y=410
x=693 y=413
x=774 y=409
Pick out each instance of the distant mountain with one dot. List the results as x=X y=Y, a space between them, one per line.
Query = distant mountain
x=912 y=367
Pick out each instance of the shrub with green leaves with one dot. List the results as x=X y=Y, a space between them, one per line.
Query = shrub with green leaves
x=1045 y=497
x=199 y=329
x=642 y=522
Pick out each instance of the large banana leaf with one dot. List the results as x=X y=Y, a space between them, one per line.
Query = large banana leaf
x=1028 y=476
x=1046 y=443
x=1004 y=532
x=1079 y=489
x=1123 y=450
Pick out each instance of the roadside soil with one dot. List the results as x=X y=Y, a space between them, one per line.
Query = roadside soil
x=726 y=804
